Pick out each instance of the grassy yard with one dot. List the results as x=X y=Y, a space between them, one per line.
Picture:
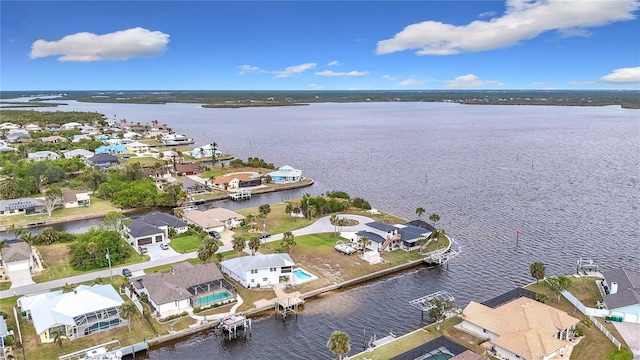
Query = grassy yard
x=57 y=258
x=185 y=244
x=144 y=161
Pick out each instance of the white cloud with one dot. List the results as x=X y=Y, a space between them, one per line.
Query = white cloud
x=334 y=63
x=470 y=81
x=245 y=69
x=315 y=86
x=577 y=83
x=119 y=45
x=489 y=14
x=410 y=82
x=342 y=73
x=523 y=20
x=623 y=76
x=389 y=77
x=297 y=69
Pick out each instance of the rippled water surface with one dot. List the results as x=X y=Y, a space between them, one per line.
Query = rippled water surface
x=566 y=177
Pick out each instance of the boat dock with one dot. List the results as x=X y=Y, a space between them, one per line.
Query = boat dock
x=287 y=303
x=242 y=194
x=102 y=351
x=426 y=303
x=235 y=323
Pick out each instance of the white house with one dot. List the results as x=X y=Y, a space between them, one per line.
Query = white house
x=164 y=222
x=383 y=237
x=623 y=297
x=78 y=313
x=42 y=155
x=259 y=270
x=22 y=206
x=71 y=126
x=185 y=287
x=17 y=261
x=285 y=174
x=204 y=152
x=523 y=329
x=141 y=233
x=78 y=153
x=74 y=199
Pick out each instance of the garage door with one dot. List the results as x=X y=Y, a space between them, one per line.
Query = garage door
x=22 y=265
x=145 y=241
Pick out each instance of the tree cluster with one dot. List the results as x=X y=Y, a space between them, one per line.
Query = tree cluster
x=30 y=178
x=89 y=251
x=251 y=162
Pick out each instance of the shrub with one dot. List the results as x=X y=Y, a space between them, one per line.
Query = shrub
x=578 y=331
x=361 y=203
x=8 y=340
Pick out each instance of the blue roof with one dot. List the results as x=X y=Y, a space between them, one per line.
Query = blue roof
x=105 y=149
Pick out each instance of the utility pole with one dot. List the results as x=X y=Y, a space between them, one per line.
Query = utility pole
x=109 y=258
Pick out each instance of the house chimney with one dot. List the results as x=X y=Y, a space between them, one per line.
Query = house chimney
x=614 y=288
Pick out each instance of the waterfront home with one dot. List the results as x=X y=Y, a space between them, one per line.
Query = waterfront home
x=622 y=294
x=187 y=169
x=285 y=175
x=216 y=219
x=54 y=139
x=421 y=224
x=22 y=206
x=205 y=152
x=71 y=126
x=75 y=198
x=113 y=149
x=520 y=329
x=260 y=270
x=236 y=180
x=140 y=233
x=384 y=237
x=137 y=147
x=17 y=261
x=175 y=140
x=16 y=135
x=165 y=222
x=185 y=287
x=42 y=155
x=411 y=235
x=189 y=185
x=103 y=160
x=78 y=153
x=78 y=313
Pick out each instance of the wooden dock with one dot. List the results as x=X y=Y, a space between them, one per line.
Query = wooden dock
x=235 y=323
x=287 y=303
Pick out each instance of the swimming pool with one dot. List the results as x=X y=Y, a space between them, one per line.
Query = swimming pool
x=213 y=298
x=301 y=275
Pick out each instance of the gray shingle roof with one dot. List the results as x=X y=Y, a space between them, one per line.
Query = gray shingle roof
x=628 y=288
x=421 y=224
x=17 y=251
x=372 y=236
x=381 y=226
x=103 y=158
x=163 y=219
x=139 y=227
x=20 y=204
x=409 y=233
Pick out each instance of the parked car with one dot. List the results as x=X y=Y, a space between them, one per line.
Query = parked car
x=164 y=246
x=143 y=250
x=264 y=235
x=215 y=234
x=126 y=272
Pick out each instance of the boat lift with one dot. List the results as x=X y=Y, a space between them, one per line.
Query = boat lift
x=426 y=303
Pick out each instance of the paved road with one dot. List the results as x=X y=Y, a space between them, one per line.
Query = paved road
x=322 y=225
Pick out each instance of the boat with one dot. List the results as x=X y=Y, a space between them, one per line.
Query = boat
x=102 y=353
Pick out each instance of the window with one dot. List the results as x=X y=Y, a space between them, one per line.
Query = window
x=264 y=279
x=254 y=271
x=272 y=269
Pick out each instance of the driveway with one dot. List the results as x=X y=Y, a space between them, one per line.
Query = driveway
x=631 y=334
x=323 y=225
x=155 y=252
x=20 y=278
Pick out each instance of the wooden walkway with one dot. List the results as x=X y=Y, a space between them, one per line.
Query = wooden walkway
x=287 y=303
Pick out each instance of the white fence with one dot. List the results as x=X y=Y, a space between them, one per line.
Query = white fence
x=133 y=298
x=591 y=312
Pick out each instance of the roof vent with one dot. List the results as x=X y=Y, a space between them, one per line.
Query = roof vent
x=614 y=288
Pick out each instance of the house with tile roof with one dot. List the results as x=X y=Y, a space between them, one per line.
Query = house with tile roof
x=236 y=180
x=260 y=270
x=53 y=139
x=520 y=329
x=82 y=312
x=623 y=296
x=216 y=219
x=185 y=287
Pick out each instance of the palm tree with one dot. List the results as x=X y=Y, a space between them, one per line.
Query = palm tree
x=339 y=343
x=67 y=287
x=249 y=219
x=126 y=310
x=208 y=248
x=423 y=242
x=538 y=270
x=238 y=244
x=288 y=241
x=288 y=209
x=363 y=242
x=57 y=338
x=420 y=211
x=214 y=147
x=434 y=218
x=254 y=244
x=333 y=219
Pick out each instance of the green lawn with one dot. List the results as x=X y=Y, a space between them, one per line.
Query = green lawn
x=185 y=244
x=144 y=161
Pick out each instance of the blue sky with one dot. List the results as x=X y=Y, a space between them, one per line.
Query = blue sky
x=324 y=45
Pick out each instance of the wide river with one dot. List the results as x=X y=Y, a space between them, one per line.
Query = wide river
x=565 y=177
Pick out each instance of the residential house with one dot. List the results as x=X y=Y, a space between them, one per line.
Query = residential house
x=285 y=175
x=78 y=153
x=186 y=169
x=205 y=152
x=165 y=222
x=16 y=135
x=82 y=312
x=22 y=206
x=54 y=139
x=75 y=198
x=185 y=287
x=52 y=127
x=175 y=139
x=103 y=160
x=623 y=294
x=522 y=329
x=17 y=260
x=189 y=185
x=9 y=126
x=42 y=155
x=259 y=270
x=80 y=137
x=140 y=233
x=383 y=237
x=89 y=130
x=132 y=135
x=32 y=127
x=236 y=181
x=113 y=149
x=137 y=147
x=421 y=224
x=214 y=219
x=4 y=333
x=411 y=235
x=71 y=126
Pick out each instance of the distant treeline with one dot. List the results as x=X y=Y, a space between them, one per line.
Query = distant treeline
x=625 y=98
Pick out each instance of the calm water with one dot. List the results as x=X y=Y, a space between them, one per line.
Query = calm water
x=566 y=177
